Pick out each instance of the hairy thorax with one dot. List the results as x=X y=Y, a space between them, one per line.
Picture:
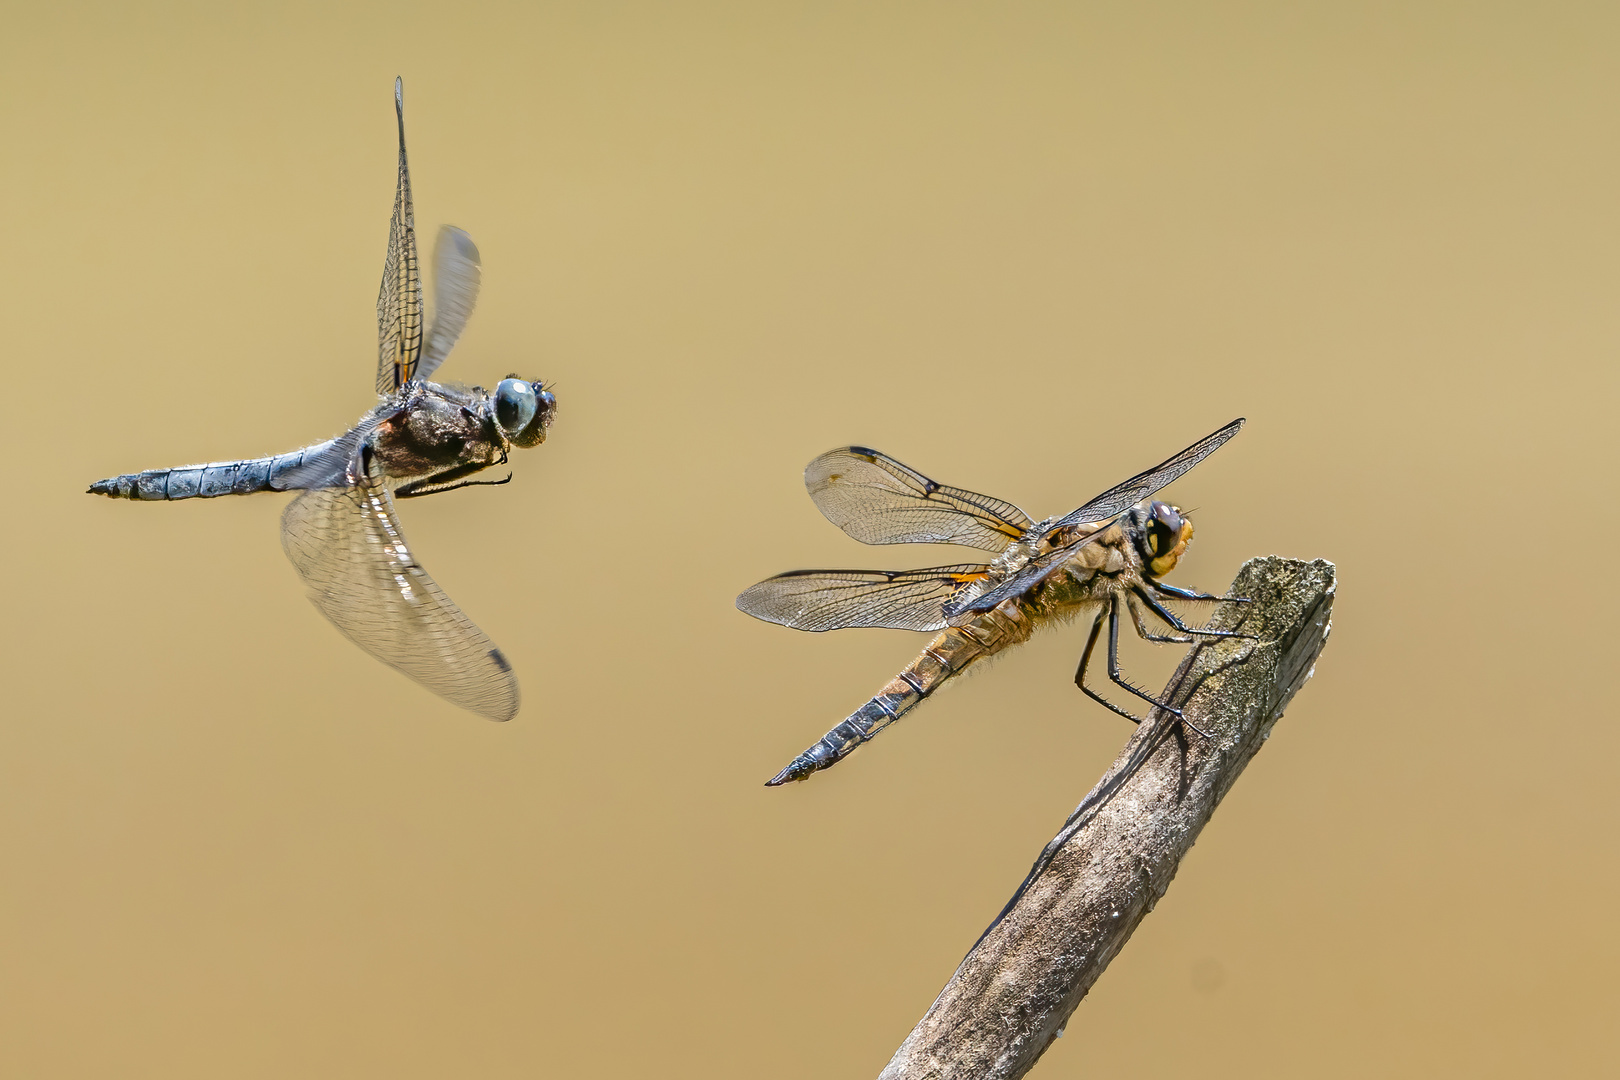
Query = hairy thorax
x=435 y=428
x=1089 y=575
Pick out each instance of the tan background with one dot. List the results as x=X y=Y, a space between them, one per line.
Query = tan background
x=1028 y=250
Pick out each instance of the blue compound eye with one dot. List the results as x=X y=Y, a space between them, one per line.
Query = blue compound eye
x=514 y=405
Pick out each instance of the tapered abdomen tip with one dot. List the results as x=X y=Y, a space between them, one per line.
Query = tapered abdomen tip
x=795 y=771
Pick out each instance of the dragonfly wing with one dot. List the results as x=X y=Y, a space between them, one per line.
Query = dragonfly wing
x=1110 y=504
x=399 y=301
x=457 y=274
x=328 y=465
x=818 y=600
x=877 y=500
x=346 y=544
x=1121 y=497
x=1033 y=572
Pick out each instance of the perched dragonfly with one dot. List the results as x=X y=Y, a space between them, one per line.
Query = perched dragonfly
x=1107 y=557
x=422 y=438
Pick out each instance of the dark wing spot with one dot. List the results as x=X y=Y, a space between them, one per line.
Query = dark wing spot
x=500 y=661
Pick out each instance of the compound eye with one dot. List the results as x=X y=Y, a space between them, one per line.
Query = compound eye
x=515 y=405
x=1164 y=529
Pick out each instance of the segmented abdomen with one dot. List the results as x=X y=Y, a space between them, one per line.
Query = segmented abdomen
x=210 y=481
x=948 y=654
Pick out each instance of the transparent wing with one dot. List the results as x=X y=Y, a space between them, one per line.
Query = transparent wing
x=399 y=301
x=327 y=464
x=457 y=274
x=347 y=546
x=1121 y=497
x=1110 y=504
x=1033 y=572
x=818 y=600
x=877 y=500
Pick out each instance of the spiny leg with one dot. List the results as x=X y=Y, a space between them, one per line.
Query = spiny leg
x=453 y=487
x=1085 y=662
x=1169 y=616
x=1113 y=672
x=433 y=485
x=1147 y=635
x=1194 y=594
x=1113 y=669
x=1118 y=679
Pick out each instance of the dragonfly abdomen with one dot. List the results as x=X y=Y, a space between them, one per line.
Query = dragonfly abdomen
x=275 y=473
x=946 y=656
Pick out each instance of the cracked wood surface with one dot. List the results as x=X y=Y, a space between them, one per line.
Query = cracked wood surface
x=1115 y=856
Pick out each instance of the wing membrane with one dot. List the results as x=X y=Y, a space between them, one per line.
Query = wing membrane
x=346 y=544
x=457 y=274
x=328 y=464
x=399 y=301
x=1121 y=497
x=1110 y=504
x=818 y=600
x=877 y=500
x=1033 y=571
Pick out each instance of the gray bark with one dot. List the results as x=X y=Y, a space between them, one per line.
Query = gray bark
x=1115 y=856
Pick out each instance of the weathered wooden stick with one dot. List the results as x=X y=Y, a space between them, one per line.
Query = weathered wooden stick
x=1115 y=856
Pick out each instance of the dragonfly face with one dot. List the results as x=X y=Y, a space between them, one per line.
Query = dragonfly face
x=1162 y=535
x=1105 y=556
x=523 y=410
x=422 y=438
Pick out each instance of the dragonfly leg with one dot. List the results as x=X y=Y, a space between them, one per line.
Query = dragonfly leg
x=433 y=485
x=507 y=479
x=1145 y=634
x=1170 y=617
x=1113 y=662
x=1194 y=594
x=1085 y=662
x=1114 y=674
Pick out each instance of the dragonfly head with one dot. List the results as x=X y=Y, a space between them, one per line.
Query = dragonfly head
x=1162 y=536
x=523 y=410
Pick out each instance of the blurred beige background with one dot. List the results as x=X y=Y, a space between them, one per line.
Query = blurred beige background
x=1028 y=249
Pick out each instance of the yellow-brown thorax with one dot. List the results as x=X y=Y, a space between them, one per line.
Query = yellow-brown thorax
x=1144 y=542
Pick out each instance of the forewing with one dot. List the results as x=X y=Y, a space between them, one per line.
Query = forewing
x=347 y=546
x=818 y=600
x=456 y=277
x=399 y=301
x=1032 y=573
x=877 y=500
x=1121 y=497
x=1110 y=504
x=328 y=465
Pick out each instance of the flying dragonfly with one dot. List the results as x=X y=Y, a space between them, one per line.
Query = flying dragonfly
x=1105 y=557
x=421 y=438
